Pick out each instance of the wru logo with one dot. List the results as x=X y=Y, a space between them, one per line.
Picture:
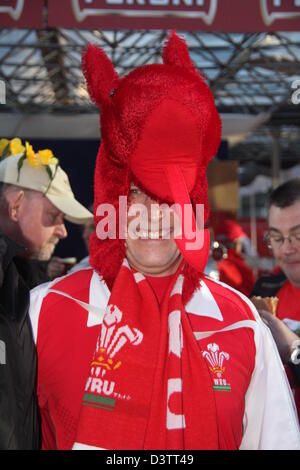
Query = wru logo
x=215 y=358
x=99 y=391
x=112 y=340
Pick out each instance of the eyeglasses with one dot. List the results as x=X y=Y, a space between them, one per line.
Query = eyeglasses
x=276 y=240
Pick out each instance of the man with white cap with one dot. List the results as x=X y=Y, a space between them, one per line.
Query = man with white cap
x=142 y=350
x=35 y=196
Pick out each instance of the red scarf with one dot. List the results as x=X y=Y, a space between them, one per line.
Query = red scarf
x=149 y=386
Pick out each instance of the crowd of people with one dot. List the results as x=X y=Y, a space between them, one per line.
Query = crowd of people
x=136 y=346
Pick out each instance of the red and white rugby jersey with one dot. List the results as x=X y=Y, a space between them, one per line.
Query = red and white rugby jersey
x=254 y=404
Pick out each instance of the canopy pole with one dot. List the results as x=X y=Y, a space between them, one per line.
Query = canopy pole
x=276 y=157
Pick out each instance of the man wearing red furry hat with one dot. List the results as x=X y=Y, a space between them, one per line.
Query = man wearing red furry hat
x=142 y=350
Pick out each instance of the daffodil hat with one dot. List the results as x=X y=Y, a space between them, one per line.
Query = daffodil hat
x=40 y=171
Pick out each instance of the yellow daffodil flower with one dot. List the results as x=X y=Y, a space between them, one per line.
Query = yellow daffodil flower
x=45 y=156
x=32 y=158
x=15 y=146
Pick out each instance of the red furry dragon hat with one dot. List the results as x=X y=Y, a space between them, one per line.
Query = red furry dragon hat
x=159 y=129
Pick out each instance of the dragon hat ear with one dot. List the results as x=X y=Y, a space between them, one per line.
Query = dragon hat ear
x=175 y=52
x=100 y=75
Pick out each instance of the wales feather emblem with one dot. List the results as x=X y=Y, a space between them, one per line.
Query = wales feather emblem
x=215 y=359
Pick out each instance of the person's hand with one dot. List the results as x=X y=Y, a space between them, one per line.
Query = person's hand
x=283 y=336
x=56 y=267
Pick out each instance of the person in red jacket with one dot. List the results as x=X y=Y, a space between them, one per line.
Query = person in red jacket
x=232 y=268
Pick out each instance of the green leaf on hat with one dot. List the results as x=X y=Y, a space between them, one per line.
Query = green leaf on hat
x=49 y=171
x=51 y=176
x=20 y=164
x=5 y=152
x=56 y=167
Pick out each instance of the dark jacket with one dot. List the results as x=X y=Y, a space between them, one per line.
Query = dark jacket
x=19 y=419
x=32 y=271
x=268 y=286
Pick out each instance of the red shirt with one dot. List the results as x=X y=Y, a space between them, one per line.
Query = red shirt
x=159 y=285
x=289 y=302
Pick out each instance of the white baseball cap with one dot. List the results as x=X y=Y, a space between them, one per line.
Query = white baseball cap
x=58 y=191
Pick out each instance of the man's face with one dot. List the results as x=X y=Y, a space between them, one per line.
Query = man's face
x=40 y=225
x=283 y=223
x=146 y=250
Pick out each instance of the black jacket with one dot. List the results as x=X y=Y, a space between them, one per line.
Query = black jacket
x=268 y=286
x=19 y=419
x=32 y=271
